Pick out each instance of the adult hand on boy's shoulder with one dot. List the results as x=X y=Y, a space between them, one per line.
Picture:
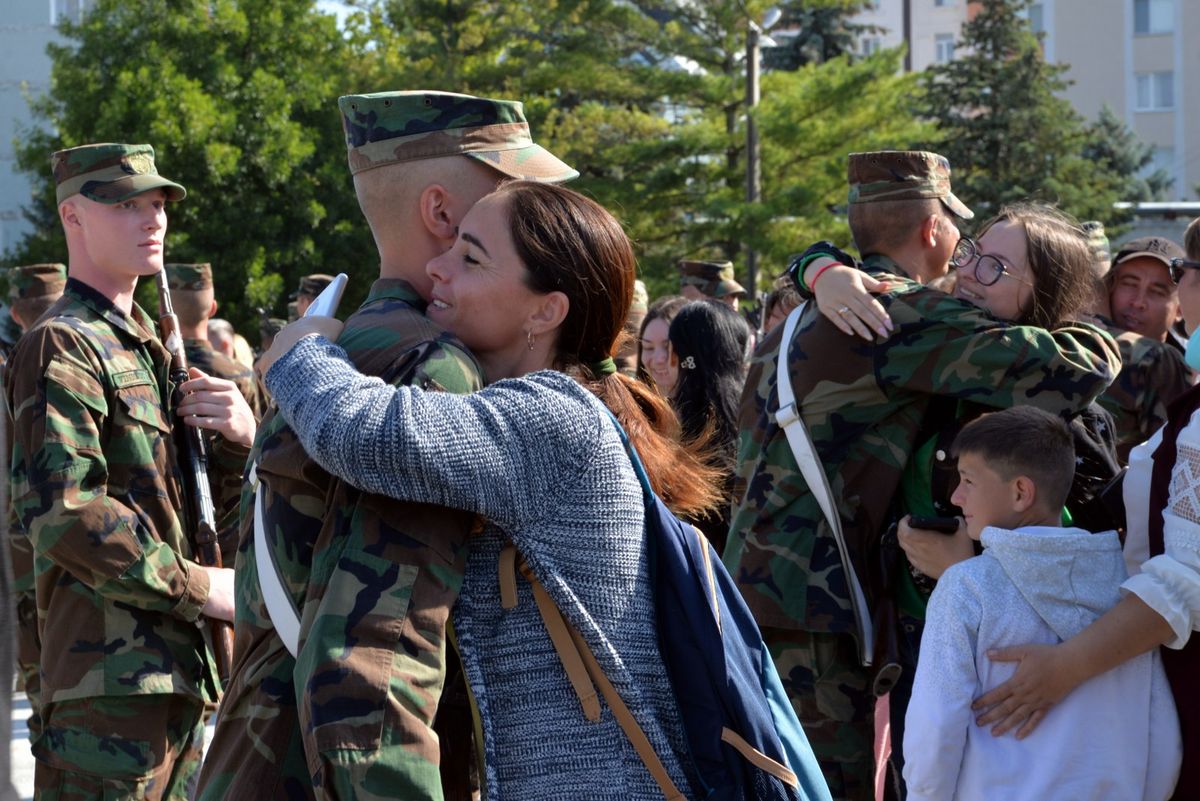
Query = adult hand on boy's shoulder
x=932 y=552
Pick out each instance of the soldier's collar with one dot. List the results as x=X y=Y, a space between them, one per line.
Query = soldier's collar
x=396 y=289
x=136 y=323
x=879 y=263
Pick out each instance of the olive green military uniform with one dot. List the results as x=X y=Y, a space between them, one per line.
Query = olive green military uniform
x=713 y=279
x=28 y=285
x=1152 y=375
x=863 y=405
x=374 y=578
x=126 y=670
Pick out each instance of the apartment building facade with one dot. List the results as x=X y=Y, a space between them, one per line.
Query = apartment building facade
x=1128 y=54
x=26 y=27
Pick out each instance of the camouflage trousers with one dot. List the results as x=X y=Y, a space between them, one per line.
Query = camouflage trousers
x=831 y=693
x=134 y=748
x=29 y=649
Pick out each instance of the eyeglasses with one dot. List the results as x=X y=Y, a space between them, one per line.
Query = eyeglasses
x=988 y=268
x=1177 y=267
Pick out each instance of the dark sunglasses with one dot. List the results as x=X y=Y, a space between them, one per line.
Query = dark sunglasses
x=1177 y=267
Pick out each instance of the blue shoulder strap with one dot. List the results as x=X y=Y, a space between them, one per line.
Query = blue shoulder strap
x=638 y=467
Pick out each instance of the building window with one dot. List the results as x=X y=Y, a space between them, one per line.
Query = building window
x=1037 y=22
x=870 y=45
x=69 y=10
x=1155 y=91
x=944 y=46
x=1153 y=16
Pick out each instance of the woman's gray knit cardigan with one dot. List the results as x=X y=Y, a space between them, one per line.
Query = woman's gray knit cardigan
x=540 y=460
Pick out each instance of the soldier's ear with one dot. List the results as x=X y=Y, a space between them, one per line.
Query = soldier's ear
x=437 y=213
x=212 y=309
x=68 y=212
x=931 y=230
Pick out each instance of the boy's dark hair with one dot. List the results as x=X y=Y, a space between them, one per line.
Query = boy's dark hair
x=1024 y=441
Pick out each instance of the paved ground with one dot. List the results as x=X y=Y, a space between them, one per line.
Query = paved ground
x=22 y=760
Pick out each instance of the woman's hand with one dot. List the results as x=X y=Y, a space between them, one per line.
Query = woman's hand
x=932 y=552
x=328 y=327
x=844 y=296
x=218 y=405
x=1044 y=677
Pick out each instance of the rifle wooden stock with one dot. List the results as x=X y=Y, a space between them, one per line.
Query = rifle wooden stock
x=201 y=518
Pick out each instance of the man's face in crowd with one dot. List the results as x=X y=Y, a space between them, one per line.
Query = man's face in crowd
x=1143 y=297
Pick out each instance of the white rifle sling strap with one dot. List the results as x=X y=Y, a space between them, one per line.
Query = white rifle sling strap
x=788 y=418
x=284 y=615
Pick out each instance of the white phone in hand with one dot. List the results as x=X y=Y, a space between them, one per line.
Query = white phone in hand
x=325 y=304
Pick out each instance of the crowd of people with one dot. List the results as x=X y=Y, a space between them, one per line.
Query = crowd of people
x=953 y=479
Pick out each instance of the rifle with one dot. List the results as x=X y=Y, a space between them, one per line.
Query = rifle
x=193 y=463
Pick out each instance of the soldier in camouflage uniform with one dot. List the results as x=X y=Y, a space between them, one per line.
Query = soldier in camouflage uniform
x=1153 y=373
x=126 y=671
x=374 y=578
x=33 y=289
x=191 y=287
x=863 y=405
x=710 y=280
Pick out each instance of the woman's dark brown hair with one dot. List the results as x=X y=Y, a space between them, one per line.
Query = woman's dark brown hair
x=571 y=244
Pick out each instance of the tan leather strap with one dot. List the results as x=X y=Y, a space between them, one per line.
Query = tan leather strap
x=580 y=664
x=625 y=718
x=758 y=758
x=561 y=635
x=556 y=627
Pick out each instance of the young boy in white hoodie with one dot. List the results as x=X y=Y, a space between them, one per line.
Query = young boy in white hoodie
x=1116 y=736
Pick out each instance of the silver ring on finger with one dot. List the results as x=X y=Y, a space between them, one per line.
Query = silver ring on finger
x=844 y=310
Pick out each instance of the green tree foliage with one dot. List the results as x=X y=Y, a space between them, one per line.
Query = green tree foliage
x=1115 y=149
x=1004 y=125
x=237 y=97
x=815 y=32
x=646 y=98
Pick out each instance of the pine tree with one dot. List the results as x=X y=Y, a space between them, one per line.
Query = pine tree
x=1002 y=122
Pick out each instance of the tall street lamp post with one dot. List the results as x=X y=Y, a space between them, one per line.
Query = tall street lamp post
x=755 y=38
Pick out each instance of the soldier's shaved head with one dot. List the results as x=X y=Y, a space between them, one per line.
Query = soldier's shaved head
x=413 y=209
x=885 y=226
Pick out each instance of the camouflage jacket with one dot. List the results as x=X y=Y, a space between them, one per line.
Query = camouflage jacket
x=225 y=475
x=95 y=484
x=306 y=508
x=863 y=405
x=1152 y=375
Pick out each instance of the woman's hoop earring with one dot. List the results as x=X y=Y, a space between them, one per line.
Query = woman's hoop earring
x=530 y=338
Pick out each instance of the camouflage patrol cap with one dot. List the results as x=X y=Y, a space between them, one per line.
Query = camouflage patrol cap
x=903 y=175
x=312 y=284
x=189 y=277
x=389 y=127
x=713 y=278
x=109 y=173
x=1155 y=247
x=36 y=281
